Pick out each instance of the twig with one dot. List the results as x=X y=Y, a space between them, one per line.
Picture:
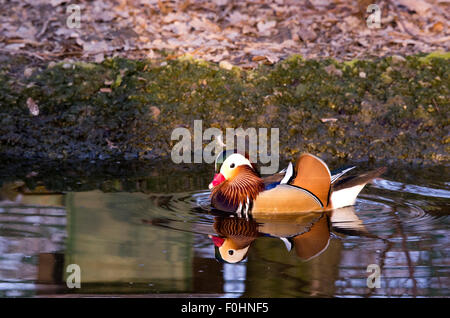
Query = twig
x=23 y=52
x=436 y=105
x=44 y=27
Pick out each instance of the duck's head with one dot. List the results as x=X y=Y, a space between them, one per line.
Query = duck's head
x=229 y=251
x=233 y=239
x=227 y=166
x=236 y=183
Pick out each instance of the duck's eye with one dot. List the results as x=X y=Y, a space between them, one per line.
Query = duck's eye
x=232 y=165
x=231 y=252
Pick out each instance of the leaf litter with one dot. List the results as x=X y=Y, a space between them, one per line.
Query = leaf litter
x=241 y=33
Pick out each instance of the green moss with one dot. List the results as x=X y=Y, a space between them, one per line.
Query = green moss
x=435 y=55
x=390 y=108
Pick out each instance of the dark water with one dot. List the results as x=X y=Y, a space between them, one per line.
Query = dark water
x=152 y=235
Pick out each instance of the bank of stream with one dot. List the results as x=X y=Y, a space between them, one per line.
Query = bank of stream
x=393 y=109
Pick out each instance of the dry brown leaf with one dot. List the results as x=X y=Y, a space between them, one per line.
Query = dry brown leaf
x=258 y=58
x=306 y=34
x=221 y=30
x=56 y=3
x=437 y=27
x=332 y=70
x=32 y=107
x=420 y=6
x=110 y=144
x=155 y=112
x=225 y=65
x=95 y=47
x=326 y=120
x=98 y=58
x=27 y=72
x=263 y=27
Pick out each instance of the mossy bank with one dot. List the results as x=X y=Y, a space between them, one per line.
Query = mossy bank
x=393 y=109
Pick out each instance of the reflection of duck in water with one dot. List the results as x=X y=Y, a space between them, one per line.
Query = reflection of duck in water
x=237 y=187
x=308 y=234
x=234 y=238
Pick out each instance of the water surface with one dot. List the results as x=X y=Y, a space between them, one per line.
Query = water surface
x=152 y=234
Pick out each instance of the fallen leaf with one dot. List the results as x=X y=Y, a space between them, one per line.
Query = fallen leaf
x=258 y=58
x=420 y=6
x=95 y=47
x=32 y=174
x=332 y=70
x=56 y=3
x=437 y=27
x=32 y=106
x=111 y=144
x=237 y=17
x=155 y=112
x=225 y=65
x=265 y=26
x=15 y=46
x=326 y=120
x=100 y=57
x=28 y=71
x=306 y=34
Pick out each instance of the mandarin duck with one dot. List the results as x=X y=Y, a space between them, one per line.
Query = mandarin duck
x=238 y=188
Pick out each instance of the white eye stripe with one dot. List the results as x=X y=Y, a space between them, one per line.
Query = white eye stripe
x=236 y=159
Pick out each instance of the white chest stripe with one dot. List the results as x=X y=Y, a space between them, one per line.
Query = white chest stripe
x=243 y=208
x=239 y=210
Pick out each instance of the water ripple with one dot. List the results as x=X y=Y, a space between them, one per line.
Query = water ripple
x=411 y=188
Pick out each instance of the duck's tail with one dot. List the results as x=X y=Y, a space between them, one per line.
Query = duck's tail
x=345 y=190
